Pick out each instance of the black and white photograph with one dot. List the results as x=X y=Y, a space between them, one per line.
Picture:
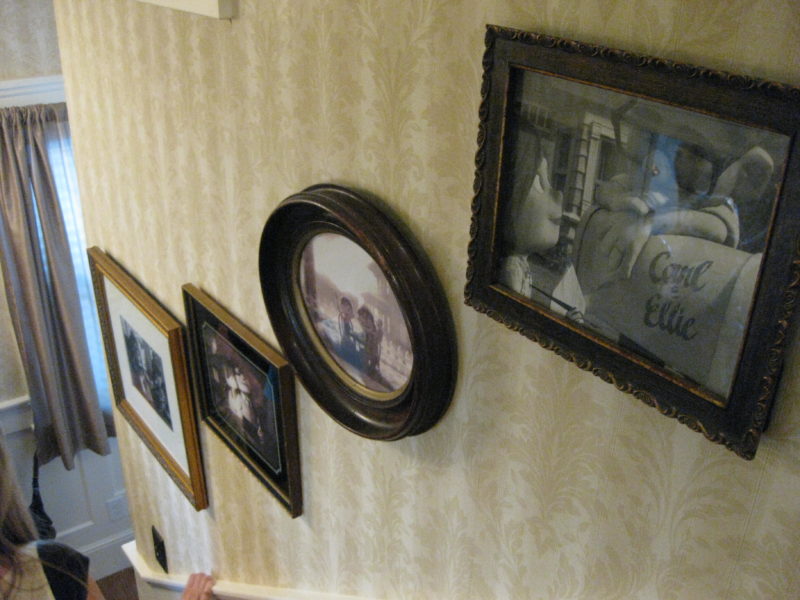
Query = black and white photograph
x=641 y=221
x=242 y=395
x=245 y=390
x=147 y=371
x=638 y=217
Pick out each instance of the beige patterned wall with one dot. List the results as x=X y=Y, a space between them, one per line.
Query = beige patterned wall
x=12 y=377
x=28 y=45
x=541 y=481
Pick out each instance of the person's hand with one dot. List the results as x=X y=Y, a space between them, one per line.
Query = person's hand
x=620 y=243
x=616 y=196
x=198 y=587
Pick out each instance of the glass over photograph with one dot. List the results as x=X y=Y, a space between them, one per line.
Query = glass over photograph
x=147 y=371
x=355 y=313
x=242 y=395
x=640 y=221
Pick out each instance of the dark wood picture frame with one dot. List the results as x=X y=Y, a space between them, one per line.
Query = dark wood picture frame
x=671 y=265
x=380 y=360
x=146 y=358
x=245 y=390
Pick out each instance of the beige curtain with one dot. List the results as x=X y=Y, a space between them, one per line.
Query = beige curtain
x=41 y=287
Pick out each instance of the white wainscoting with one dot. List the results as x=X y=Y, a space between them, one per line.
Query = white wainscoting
x=157 y=585
x=88 y=505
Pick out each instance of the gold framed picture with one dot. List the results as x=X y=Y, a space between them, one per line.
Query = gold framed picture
x=146 y=357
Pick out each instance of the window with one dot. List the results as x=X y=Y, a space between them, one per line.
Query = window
x=63 y=167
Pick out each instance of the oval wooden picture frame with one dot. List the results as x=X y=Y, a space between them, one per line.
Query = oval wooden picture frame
x=363 y=400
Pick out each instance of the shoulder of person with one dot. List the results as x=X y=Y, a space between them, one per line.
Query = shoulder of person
x=66 y=569
x=512 y=273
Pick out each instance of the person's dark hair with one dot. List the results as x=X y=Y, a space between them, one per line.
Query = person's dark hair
x=16 y=525
x=366 y=315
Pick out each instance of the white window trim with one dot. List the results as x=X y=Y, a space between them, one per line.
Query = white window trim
x=15 y=415
x=34 y=90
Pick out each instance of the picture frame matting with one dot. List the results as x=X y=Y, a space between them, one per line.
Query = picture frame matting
x=147 y=364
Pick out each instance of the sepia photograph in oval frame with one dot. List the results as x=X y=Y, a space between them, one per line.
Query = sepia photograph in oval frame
x=359 y=311
x=360 y=326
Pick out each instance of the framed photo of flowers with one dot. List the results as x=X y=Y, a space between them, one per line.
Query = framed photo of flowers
x=146 y=357
x=638 y=217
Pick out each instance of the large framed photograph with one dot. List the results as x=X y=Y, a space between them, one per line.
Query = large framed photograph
x=639 y=217
x=146 y=359
x=246 y=394
x=359 y=312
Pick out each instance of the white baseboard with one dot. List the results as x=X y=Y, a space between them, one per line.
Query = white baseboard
x=223 y=590
x=15 y=415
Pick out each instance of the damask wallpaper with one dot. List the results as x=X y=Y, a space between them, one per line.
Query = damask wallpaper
x=541 y=481
x=28 y=44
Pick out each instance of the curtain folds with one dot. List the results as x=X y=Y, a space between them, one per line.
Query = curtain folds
x=41 y=287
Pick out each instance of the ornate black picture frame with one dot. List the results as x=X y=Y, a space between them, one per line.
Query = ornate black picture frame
x=359 y=311
x=246 y=395
x=639 y=217
x=146 y=356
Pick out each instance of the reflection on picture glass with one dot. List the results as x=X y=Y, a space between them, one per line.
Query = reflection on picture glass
x=243 y=395
x=643 y=222
x=355 y=313
x=147 y=371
